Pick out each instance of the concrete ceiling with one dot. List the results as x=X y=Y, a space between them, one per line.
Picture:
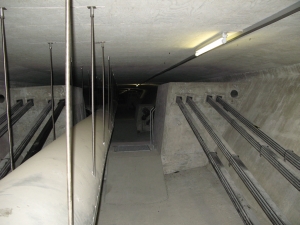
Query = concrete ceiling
x=145 y=37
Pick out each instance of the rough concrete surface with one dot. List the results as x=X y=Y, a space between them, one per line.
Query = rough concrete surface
x=146 y=37
x=195 y=196
x=269 y=99
x=134 y=177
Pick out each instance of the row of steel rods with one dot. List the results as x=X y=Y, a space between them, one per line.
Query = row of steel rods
x=260 y=195
x=272 y=158
x=288 y=155
x=233 y=192
x=5 y=169
x=13 y=109
x=69 y=113
x=13 y=119
x=6 y=83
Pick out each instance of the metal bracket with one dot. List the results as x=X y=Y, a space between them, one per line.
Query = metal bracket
x=2 y=12
x=91 y=10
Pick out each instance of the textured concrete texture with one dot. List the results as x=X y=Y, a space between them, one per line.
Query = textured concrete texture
x=269 y=99
x=41 y=95
x=134 y=178
x=195 y=196
x=145 y=37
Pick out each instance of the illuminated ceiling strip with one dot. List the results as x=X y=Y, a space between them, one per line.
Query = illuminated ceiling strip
x=263 y=23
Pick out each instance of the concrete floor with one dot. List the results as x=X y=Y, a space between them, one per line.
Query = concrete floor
x=136 y=191
x=193 y=196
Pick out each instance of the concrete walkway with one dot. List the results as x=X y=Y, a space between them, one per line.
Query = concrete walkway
x=133 y=196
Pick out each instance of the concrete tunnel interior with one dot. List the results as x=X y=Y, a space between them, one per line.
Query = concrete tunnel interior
x=160 y=134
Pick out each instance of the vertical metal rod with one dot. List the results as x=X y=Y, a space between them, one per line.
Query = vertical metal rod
x=69 y=116
x=108 y=90
x=152 y=130
x=6 y=83
x=89 y=89
x=81 y=78
x=91 y=8
x=103 y=90
x=113 y=97
x=52 y=95
x=151 y=126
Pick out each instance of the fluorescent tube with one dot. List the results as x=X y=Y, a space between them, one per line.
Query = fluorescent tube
x=212 y=45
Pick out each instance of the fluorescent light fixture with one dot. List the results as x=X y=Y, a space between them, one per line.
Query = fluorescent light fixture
x=212 y=45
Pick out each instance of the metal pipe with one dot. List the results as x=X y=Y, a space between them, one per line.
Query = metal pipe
x=103 y=90
x=89 y=89
x=112 y=99
x=41 y=139
x=14 y=108
x=151 y=125
x=52 y=95
x=259 y=194
x=18 y=115
x=6 y=83
x=81 y=78
x=170 y=68
x=264 y=151
x=91 y=8
x=17 y=153
x=115 y=102
x=108 y=90
x=233 y=192
x=288 y=155
x=69 y=115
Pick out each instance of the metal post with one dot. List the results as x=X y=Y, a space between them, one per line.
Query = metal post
x=6 y=83
x=151 y=126
x=103 y=90
x=81 y=79
x=89 y=89
x=91 y=8
x=69 y=116
x=112 y=89
x=52 y=96
x=113 y=97
x=108 y=90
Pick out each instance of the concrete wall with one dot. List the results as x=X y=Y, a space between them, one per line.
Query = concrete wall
x=268 y=98
x=41 y=95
